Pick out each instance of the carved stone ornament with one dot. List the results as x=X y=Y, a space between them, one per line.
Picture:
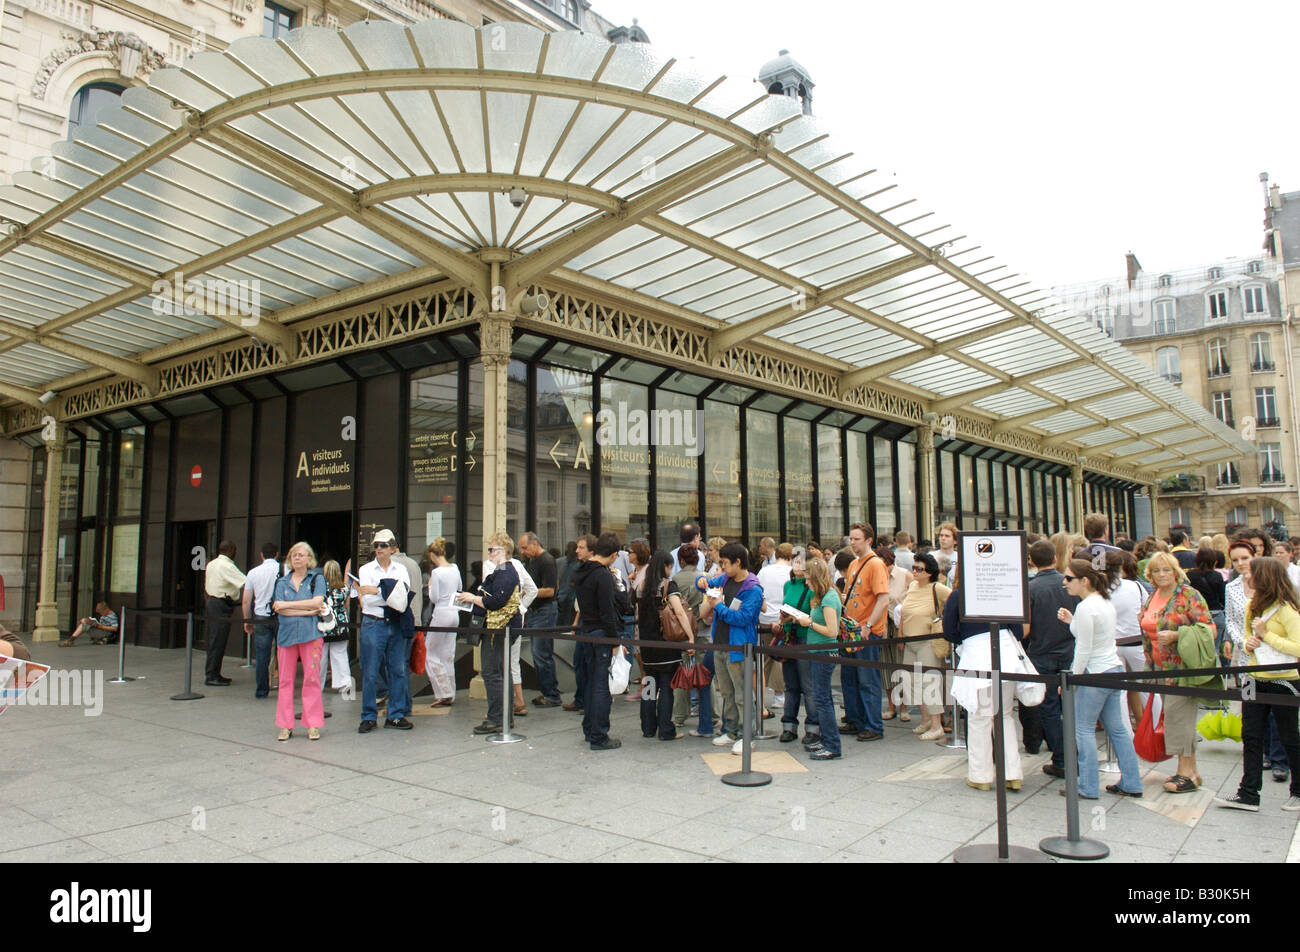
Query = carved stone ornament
x=112 y=42
x=239 y=10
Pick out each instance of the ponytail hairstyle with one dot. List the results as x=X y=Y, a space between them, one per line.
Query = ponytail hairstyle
x=1102 y=580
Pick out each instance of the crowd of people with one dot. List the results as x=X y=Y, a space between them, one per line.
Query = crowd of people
x=1096 y=606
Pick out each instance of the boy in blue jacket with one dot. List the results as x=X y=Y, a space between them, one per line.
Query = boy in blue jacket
x=733 y=601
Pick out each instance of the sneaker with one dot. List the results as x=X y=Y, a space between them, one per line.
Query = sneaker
x=723 y=740
x=869 y=735
x=787 y=736
x=696 y=732
x=540 y=701
x=366 y=727
x=1292 y=805
x=812 y=748
x=401 y=724
x=810 y=738
x=821 y=753
x=738 y=748
x=1281 y=775
x=1235 y=802
x=1054 y=771
x=610 y=743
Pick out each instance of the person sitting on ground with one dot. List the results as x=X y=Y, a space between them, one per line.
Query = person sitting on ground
x=106 y=622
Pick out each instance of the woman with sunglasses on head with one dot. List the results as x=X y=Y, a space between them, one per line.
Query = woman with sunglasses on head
x=1093 y=624
x=1173 y=605
x=1272 y=636
x=921 y=613
x=497 y=603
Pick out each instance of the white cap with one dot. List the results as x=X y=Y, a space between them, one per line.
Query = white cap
x=384 y=535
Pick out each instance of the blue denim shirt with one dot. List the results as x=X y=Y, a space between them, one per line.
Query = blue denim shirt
x=298 y=629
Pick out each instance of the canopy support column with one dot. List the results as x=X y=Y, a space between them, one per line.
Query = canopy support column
x=1076 y=496
x=47 y=608
x=925 y=464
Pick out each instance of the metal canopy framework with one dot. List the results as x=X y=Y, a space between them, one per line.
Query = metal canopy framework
x=326 y=168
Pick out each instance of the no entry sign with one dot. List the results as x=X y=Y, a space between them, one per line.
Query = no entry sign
x=196 y=476
x=994 y=585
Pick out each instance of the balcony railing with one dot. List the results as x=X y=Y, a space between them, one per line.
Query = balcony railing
x=1267 y=421
x=1271 y=478
x=1221 y=371
x=1183 y=484
x=1173 y=377
x=1262 y=366
x=1224 y=482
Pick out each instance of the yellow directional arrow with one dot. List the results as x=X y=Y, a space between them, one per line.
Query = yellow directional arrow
x=552 y=455
x=470 y=463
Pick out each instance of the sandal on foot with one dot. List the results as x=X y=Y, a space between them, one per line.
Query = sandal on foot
x=888 y=716
x=67 y=642
x=1180 y=784
x=904 y=716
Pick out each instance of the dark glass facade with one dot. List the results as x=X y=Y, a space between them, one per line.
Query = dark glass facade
x=595 y=441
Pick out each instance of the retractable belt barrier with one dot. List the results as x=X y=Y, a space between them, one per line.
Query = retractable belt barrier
x=1071 y=846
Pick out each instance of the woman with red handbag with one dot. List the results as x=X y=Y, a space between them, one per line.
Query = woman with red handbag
x=661 y=617
x=1172 y=605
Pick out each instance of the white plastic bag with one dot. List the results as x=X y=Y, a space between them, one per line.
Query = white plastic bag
x=399 y=597
x=620 y=670
x=1030 y=693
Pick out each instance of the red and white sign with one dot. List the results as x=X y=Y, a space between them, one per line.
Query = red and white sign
x=196 y=476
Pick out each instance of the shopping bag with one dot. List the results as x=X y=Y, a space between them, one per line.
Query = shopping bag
x=1149 y=741
x=620 y=670
x=1220 y=725
x=682 y=677
x=418 y=653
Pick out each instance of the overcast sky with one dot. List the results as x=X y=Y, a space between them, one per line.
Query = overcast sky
x=1057 y=136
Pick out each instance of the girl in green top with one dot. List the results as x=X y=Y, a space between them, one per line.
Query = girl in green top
x=797 y=671
x=823 y=624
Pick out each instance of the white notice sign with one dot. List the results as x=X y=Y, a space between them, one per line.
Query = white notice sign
x=994 y=585
x=432 y=526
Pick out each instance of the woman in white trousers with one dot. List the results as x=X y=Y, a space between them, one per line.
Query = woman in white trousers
x=440 y=646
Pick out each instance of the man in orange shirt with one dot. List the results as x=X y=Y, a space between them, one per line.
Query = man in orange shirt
x=866 y=599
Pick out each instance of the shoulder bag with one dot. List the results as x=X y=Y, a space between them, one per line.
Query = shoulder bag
x=670 y=623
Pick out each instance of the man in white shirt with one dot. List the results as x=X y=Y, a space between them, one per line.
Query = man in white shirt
x=772 y=579
x=259 y=622
x=690 y=535
x=767 y=551
x=381 y=641
x=222 y=581
x=416 y=579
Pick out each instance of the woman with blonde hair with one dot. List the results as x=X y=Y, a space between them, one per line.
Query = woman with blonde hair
x=822 y=622
x=1219 y=543
x=497 y=603
x=440 y=654
x=1061 y=543
x=1173 y=605
x=298 y=600
x=338 y=594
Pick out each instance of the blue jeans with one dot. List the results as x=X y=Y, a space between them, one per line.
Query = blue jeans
x=798 y=686
x=544 y=650
x=862 y=692
x=822 y=703
x=1273 y=742
x=596 y=659
x=1049 y=712
x=263 y=646
x=379 y=643
x=1109 y=705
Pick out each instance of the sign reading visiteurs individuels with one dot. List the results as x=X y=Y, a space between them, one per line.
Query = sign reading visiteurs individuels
x=992 y=569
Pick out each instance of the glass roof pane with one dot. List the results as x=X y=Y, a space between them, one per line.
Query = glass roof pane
x=511 y=46
x=384 y=45
x=636 y=371
x=574 y=54
x=686 y=383
x=368 y=364
x=149 y=412
x=187 y=405
x=218 y=70
x=731 y=393
x=575 y=357
x=445 y=44
x=268 y=59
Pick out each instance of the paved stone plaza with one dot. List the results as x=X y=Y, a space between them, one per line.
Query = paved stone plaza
x=151 y=779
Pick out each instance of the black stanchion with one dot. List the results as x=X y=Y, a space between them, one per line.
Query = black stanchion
x=746 y=777
x=121 y=650
x=188 y=694
x=1071 y=846
x=1003 y=852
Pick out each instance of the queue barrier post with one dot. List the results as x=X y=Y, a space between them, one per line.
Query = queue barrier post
x=121 y=650
x=1003 y=852
x=745 y=776
x=507 y=696
x=248 y=648
x=760 y=731
x=1072 y=845
x=188 y=694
